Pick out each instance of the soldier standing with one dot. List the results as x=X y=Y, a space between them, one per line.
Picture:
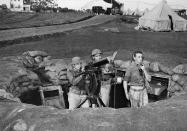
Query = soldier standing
x=104 y=78
x=77 y=92
x=136 y=77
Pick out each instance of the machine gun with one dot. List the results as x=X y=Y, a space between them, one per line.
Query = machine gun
x=93 y=71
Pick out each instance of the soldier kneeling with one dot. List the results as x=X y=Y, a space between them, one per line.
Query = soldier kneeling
x=77 y=92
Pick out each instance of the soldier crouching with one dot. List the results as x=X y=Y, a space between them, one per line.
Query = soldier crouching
x=136 y=77
x=77 y=92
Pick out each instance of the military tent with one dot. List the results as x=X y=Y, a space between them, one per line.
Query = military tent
x=101 y=3
x=162 y=18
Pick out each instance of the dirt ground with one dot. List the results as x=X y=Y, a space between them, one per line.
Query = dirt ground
x=166 y=47
x=12 y=20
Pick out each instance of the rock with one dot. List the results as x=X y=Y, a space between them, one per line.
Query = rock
x=180 y=69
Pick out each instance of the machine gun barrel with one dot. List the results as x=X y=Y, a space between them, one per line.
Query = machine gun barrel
x=97 y=64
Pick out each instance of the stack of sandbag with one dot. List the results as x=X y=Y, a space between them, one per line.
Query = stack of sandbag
x=32 y=59
x=14 y=78
x=180 y=80
x=122 y=64
x=126 y=64
x=181 y=69
x=178 y=74
x=26 y=81
x=157 y=67
x=55 y=71
x=4 y=95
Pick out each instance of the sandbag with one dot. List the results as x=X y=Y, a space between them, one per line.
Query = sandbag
x=165 y=69
x=61 y=73
x=27 y=61
x=154 y=67
x=125 y=64
x=10 y=68
x=174 y=87
x=15 y=79
x=63 y=77
x=36 y=53
x=180 y=79
x=180 y=69
x=21 y=84
x=55 y=71
x=118 y=63
x=32 y=59
x=9 y=96
x=146 y=64
x=51 y=75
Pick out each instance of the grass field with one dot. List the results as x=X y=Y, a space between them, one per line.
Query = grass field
x=167 y=47
x=9 y=20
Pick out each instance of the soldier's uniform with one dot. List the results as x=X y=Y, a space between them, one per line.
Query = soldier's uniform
x=77 y=92
x=137 y=82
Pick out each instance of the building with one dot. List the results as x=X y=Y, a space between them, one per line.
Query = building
x=16 y=5
x=5 y=2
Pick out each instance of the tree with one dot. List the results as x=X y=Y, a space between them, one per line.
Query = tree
x=39 y=5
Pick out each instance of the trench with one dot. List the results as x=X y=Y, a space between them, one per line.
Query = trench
x=117 y=94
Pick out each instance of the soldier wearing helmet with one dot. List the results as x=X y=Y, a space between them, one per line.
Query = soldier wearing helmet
x=77 y=92
x=104 y=79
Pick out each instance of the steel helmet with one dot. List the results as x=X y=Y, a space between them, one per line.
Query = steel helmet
x=76 y=60
x=96 y=51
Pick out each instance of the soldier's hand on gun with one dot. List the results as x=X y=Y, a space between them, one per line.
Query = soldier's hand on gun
x=83 y=69
x=142 y=67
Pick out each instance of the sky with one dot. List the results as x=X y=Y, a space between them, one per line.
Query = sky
x=132 y=4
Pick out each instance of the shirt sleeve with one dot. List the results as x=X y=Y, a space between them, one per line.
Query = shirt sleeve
x=72 y=79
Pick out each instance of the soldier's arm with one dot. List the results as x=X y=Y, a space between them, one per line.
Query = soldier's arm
x=73 y=80
x=147 y=76
x=125 y=82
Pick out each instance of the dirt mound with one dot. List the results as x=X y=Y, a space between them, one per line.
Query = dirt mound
x=167 y=115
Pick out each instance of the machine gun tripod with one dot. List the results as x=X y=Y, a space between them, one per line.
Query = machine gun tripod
x=92 y=88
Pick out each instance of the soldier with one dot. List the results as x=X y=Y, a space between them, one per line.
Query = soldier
x=105 y=78
x=136 y=77
x=77 y=92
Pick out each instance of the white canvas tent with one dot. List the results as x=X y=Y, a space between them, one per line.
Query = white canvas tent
x=138 y=12
x=145 y=11
x=92 y=3
x=162 y=18
x=71 y=4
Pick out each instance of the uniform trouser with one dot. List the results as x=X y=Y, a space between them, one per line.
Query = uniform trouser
x=138 y=96
x=75 y=100
x=105 y=94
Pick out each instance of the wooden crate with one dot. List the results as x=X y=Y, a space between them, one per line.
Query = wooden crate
x=159 y=82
